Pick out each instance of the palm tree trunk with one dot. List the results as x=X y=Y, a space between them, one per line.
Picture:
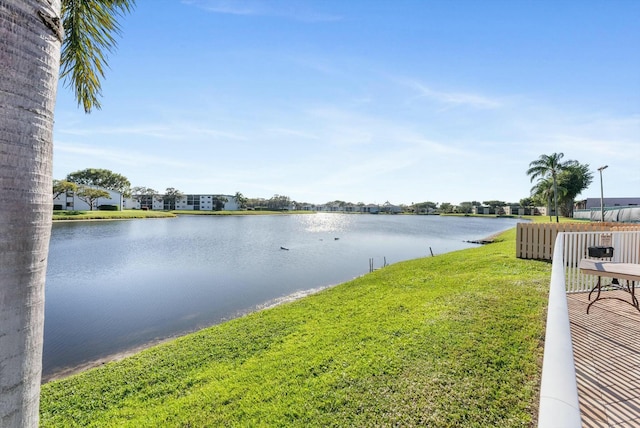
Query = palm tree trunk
x=29 y=66
x=555 y=197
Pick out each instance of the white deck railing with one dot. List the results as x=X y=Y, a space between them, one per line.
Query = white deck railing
x=626 y=249
x=559 y=405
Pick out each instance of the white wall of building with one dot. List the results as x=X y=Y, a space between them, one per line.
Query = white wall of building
x=189 y=203
x=70 y=201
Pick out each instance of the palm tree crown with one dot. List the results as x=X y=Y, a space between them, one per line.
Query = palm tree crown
x=549 y=166
x=89 y=32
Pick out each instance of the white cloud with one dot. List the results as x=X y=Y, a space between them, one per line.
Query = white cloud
x=171 y=131
x=97 y=155
x=452 y=99
x=287 y=10
x=146 y=130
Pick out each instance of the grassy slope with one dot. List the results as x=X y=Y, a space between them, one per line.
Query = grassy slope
x=453 y=340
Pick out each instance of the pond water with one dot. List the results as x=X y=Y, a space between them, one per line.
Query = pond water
x=118 y=285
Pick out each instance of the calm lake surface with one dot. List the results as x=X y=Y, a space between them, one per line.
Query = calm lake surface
x=117 y=285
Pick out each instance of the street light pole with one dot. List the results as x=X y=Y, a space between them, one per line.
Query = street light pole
x=602 y=193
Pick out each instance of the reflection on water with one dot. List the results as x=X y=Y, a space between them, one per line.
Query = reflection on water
x=112 y=286
x=322 y=223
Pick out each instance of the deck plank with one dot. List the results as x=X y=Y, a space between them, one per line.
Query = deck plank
x=606 y=348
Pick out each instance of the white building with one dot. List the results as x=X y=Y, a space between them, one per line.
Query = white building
x=185 y=203
x=207 y=203
x=71 y=202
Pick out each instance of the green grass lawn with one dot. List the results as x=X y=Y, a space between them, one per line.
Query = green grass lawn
x=448 y=341
x=241 y=212
x=129 y=214
x=109 y=215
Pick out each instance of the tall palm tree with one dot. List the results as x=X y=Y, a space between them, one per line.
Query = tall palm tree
x=32 y=42
x=544 y=190
x=549 y=166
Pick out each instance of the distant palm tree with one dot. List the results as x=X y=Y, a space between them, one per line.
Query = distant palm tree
x=240 y=199
x=543 y=191
x=33 y=56
x=549 y=166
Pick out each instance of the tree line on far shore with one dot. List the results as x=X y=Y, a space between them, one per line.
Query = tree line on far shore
x=558 y=184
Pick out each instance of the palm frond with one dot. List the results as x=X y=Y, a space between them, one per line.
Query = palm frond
x=90 y=27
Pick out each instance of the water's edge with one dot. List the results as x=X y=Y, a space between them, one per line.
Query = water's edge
x=79 y=368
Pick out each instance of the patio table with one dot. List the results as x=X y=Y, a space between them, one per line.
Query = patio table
x=630 y=272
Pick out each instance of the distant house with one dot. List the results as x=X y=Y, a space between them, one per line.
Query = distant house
x=518 y=210
x=512 y=210
x=347 y=208
x=389 y=208
x=483 y=210
x=544 y=211
x=71 y=202
x=371 y=208
x=306 y=207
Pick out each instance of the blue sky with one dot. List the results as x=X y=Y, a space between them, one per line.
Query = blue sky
x=363 y=101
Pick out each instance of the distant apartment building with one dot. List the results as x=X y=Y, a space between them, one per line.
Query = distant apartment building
x=207 y=203
x=189 y=202
x=70 y=201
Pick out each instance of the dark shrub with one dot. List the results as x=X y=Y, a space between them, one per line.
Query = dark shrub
x=108 y=208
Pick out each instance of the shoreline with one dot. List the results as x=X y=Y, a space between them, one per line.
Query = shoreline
x=87 y=365
x=65 y=372
x=489 y=239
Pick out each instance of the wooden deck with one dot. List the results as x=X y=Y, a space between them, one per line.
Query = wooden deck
x=606 y=347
